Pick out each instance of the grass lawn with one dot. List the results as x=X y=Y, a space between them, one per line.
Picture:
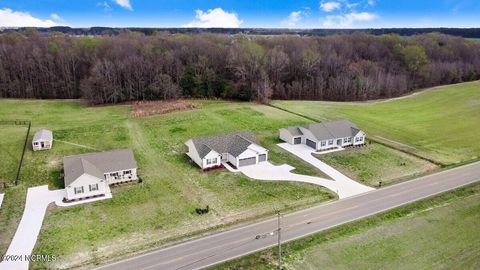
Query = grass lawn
x=441 y=124
x=376 y=162
x=12 y=138
x=438 y=232
x=438 y=238
x=161 y=208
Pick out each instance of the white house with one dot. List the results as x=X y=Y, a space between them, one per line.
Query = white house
x=238 y=149
x=324 y=136
x=42 y=140
x=89 y=175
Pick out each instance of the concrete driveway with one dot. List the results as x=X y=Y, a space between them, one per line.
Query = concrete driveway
x=1 y=199
x=304 y=152
x=38 y=199
x=269 y=172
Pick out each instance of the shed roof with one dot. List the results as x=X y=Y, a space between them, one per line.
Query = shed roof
x=96 y=164
x=43 y=135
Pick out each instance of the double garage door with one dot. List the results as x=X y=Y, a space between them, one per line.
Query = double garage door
x=311 y=143
x=247 y=161
x=251 y=160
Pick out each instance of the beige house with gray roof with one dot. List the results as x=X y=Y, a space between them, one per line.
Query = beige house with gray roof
x=89 y=175
x=42 y=140
x=238 y=149
x=325 y=135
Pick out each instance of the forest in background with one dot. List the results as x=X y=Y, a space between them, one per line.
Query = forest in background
x=134 y=66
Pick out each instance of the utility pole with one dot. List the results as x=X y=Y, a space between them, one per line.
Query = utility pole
x=279 y=243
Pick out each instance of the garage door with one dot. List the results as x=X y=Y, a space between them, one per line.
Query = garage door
x=247 y=161
x=262 y=157
x=297 y=140
x=311 y=144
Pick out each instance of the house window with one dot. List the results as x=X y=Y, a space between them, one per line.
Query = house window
x=345 y=140
x=349 y=139
x=35 y=143
x=358 y=139
x=94 y=187
x=127 y=172
x=211 y=161
x=323 y=143
x=330 y=142
x=78 y=190
x=114 y=174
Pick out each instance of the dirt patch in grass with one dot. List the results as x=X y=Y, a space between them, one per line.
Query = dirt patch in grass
x=146 y=108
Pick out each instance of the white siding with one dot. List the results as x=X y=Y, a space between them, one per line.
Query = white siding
x=286 y=136
x=249 y=153
x=360 y=134
x=84 y=181
x=37 y=145
x=210 y=155
x=193 y=154
x=232 y=159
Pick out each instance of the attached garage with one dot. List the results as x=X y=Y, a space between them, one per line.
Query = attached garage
x=311 y=143
x=262 y=157
x=297 y=140
x=247 y=161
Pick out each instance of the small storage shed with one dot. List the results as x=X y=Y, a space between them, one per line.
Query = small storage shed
x=42 y=140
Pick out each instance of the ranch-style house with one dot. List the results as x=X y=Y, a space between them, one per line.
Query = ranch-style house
x=89 y=175
x=238 y=149
x=325 y=135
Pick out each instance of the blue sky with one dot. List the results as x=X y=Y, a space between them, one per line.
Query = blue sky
x=245 y=13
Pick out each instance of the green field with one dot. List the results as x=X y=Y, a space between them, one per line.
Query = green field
x=376 y=162
x=161 y=208
x=439 y=232
x=12 y=138
x=441 y=124
x=438 y=238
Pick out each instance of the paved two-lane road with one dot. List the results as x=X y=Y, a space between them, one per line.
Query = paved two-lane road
x=216 y=248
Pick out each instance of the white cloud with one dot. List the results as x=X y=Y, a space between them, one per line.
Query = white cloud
x=124 y=3
x=371 y=2
x=10 y=18
x=293 y=18
x=329 y=6
x=56 y=17
x=216 y=17
x=347 y=20
x=106 y=7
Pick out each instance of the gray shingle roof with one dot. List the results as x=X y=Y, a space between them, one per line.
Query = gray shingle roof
x=96 y=164
x=43 y=134
x=341 y=128
x=295 y=131
x=232 y=143
x=329 y=130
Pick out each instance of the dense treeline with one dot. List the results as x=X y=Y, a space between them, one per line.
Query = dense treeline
x=133 y=66
x=96 y=31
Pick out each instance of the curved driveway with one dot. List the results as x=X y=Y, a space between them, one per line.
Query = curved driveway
x=213 y=249
x=341 y=184
x=346 y=186
x=269 y=172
